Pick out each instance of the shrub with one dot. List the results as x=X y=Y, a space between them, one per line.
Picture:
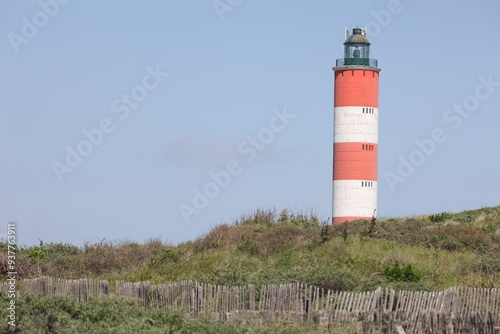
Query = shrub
x=35 y=254
x=398 y=273
x=440 y=217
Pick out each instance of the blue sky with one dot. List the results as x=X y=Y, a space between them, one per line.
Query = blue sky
x=171 y=94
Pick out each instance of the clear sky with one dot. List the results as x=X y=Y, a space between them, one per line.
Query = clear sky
x=129 y=119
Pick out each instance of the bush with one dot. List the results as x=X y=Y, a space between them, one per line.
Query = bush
x=398 y=273
x=440 y=217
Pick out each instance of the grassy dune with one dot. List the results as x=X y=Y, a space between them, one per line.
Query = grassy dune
x=435 y=252
x=419 y=253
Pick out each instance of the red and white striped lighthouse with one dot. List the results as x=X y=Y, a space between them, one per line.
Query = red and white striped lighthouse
x=355 y=144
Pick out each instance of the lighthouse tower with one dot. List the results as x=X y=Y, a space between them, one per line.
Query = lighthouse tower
x=355 y=143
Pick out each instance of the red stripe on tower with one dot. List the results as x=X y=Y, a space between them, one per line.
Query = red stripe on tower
x=355 y=147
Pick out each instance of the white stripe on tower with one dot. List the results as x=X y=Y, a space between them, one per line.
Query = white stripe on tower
x=354 y=196
x=356 y=124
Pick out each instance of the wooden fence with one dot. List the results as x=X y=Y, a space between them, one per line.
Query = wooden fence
x=455 y=310
x=80 y=290
x=192 y=297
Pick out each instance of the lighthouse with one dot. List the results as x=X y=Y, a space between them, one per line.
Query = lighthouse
x=355 y=143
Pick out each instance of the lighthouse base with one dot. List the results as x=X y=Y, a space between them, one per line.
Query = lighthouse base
x=340 y=220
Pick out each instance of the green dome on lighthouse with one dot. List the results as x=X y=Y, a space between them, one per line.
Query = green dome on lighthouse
x=357 y=37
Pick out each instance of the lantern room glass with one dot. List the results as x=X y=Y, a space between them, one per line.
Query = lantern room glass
x=357 y=51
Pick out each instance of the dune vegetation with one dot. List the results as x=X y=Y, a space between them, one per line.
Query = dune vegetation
x=428 y=252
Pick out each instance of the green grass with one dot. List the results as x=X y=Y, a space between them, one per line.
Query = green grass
x=269 y=247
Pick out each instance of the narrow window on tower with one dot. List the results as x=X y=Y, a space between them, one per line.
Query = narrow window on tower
x=352 y=73
x=364 y=74
x=363 y=146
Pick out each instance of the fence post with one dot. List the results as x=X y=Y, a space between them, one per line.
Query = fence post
x=251 y=297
